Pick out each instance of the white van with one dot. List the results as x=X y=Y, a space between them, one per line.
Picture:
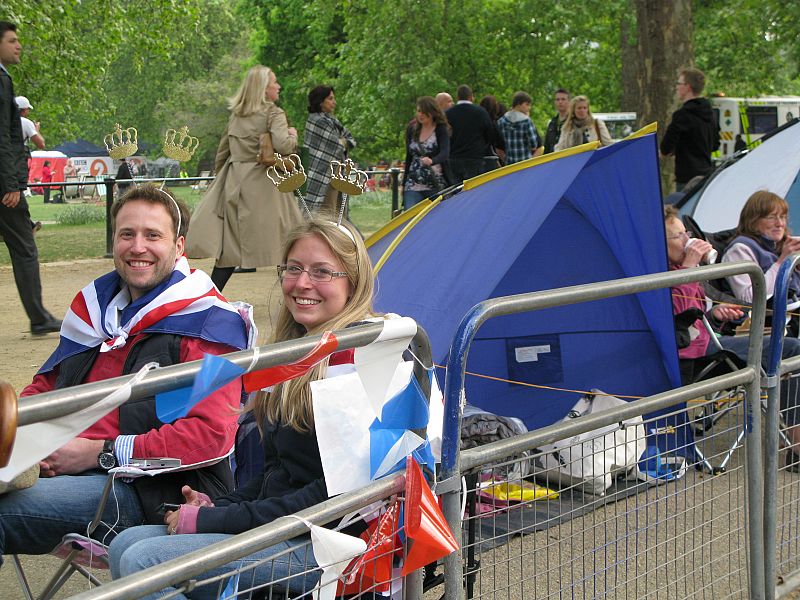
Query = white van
x=751 y=118
x=620 y=124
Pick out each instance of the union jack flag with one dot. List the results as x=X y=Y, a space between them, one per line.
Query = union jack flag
x=186 y=304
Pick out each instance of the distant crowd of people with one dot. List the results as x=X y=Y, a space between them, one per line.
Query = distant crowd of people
x=448 y=142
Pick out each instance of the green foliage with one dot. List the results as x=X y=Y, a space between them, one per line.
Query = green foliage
x=81 y=214
x=164 y=63
x=748 y=47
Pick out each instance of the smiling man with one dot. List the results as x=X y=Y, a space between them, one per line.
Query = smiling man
x=151 y=308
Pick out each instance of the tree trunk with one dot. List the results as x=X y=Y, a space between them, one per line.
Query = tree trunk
x=664 y=46
x=629 y=55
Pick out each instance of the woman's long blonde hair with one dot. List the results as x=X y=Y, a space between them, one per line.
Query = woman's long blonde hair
x=289 y=403
x=249 y=98
x=569 y=122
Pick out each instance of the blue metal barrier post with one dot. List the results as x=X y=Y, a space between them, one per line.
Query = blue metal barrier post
x=772 y=422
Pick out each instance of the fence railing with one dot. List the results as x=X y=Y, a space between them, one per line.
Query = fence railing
x=690 y=536
x=456 y=369
x=781 y=488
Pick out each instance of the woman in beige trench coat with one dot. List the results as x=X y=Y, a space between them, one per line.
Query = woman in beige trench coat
x=243 y=217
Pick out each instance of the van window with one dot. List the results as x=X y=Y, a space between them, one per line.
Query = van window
x=762 y=119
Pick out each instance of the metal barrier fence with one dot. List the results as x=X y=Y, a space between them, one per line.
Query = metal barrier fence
x=781 y=461
x=612 y=563
x=181 y=574
x=695 y=537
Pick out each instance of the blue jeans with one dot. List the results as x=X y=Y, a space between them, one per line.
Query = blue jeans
x=33 y=521
x=790 y=404
x=138 y=548
x=412 y=197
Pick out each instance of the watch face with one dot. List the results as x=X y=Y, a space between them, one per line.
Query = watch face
x=106 y=460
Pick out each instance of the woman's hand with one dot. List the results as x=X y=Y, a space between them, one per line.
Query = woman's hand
x=426 y=161
x=695 y=253
x=292 y=131
x=194 y=498
x=726 y=312
x=790 y=246
x=171 y=521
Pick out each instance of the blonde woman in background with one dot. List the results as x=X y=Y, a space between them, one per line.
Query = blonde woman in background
x=243 y=217
x=581 y=127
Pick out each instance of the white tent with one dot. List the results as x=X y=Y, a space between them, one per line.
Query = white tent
x=773 y=165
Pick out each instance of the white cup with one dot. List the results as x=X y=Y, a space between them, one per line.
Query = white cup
x=710 y=257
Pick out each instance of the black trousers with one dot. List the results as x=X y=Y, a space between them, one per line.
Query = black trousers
x=460 y=169
x=15 y=227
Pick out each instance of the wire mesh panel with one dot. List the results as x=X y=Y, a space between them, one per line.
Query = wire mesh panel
x=290 y=569
x=663 y=528
x=788 y=496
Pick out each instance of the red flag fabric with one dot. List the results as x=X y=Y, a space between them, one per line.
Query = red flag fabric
x=431 y=538
x=372 y=571
x=258 y=380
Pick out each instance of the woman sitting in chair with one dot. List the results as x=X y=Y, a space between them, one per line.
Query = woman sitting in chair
x=698 y=344
x=763 y=238
x=327 y=284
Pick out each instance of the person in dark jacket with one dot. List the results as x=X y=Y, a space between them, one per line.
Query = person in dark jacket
x=427 y=149
x=693 y=133
x=561 y=101
x=124 y=177
x=15 y=218
x=327 y=284
x=471 y=139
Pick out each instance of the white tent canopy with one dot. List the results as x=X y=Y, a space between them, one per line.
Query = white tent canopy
x=773 y=166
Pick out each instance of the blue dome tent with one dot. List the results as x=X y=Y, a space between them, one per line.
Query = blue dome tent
x=575 y=217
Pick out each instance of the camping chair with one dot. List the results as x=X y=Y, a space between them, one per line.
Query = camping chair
x=719 y=404
x=81 y=553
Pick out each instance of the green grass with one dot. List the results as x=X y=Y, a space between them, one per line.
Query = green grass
x=72 y=242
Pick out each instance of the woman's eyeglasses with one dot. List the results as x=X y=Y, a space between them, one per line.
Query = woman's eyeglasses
x=318 y=274
x=776 y=218
x=681 y=235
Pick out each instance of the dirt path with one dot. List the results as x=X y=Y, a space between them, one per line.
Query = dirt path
x=21 y=355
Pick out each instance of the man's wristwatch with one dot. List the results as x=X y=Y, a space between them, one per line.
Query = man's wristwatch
x=106 y=459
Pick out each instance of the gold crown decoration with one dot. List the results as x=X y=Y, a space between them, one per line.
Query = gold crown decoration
x=122 y=143
x=287 y=173
x=184 y=148
x=346 y=178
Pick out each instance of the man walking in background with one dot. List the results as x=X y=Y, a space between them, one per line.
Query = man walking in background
x=521 y=138
x=444 y=101
x=15 y=219
x=553 y=133
x=471 y=138
x=693 y=133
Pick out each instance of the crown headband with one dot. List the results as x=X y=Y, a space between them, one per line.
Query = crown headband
x=349 y=180
x=181 y=149
x=177 y=208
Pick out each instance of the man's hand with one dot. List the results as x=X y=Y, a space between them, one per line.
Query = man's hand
x=11 y=199
x=75 y=456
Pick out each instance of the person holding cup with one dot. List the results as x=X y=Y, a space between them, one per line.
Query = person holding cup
x=762 y=237
x=685 y=252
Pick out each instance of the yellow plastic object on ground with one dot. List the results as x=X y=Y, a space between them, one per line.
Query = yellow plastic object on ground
x=512 y=492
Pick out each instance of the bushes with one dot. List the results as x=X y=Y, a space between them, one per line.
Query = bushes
x=81 y=214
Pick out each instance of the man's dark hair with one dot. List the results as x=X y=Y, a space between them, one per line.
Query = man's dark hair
x=694 y=78
x=562 y=91
x=6 y=26
x=317 y=96
x=154 y=195
x=464 y=92
x=521 y=98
